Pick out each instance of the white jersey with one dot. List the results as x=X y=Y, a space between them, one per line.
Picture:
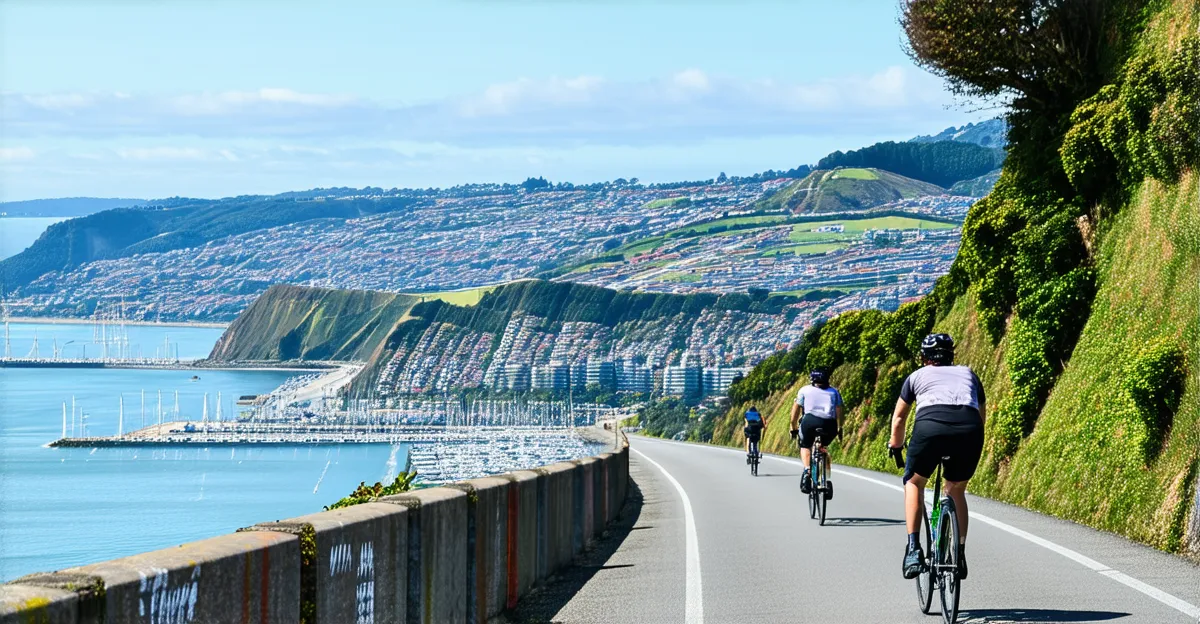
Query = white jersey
x=820 y=402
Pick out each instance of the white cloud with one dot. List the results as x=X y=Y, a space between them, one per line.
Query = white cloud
x=233 y=102
x=692 y=80
x=162 y=153
x=510 y=98
x=13 y=154
x=688 y=106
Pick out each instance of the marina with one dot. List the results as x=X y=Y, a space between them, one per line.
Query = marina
x=156 y=489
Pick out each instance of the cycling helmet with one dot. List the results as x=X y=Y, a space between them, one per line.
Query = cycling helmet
x=819 y=377
x=938 y=348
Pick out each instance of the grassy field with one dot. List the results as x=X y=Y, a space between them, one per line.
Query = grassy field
x=803 y=232
x=660 y=203
x=808 y=249
x=464 y=297
x=681 y=277
x=704 y=228
x=856 y=174
x=638 y=247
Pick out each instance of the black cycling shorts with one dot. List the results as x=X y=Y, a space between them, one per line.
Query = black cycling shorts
x=955 y=432
x=808 y=430
x=753 y=432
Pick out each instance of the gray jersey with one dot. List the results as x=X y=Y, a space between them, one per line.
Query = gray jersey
x=943 y=385
x=820 y=402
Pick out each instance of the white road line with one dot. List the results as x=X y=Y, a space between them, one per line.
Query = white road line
x=1174 y=602
x=1178 y=604
x=693 y=611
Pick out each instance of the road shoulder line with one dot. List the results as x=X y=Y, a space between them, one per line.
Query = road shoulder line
x=693 y=597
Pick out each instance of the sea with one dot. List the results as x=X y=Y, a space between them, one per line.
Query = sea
x=17 y=233
x=66 y=507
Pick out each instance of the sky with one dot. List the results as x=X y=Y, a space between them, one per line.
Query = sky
x=150 y=99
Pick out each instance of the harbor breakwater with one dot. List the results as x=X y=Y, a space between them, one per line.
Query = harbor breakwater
x=464 y=552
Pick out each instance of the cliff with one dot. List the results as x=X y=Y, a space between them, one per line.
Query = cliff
x=303 y=323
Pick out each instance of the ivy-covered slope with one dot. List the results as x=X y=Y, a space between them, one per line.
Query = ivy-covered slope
x=1075 y=296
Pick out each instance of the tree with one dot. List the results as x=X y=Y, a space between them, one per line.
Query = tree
x=534 y=184
x=1041 y=53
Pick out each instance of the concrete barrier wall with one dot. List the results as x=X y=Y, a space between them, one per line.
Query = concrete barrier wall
x=459 y=553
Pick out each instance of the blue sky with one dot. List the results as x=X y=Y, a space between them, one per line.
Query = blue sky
x=152 y=99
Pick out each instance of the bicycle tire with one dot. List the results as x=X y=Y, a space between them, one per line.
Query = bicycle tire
x=926 y=580
x=822 y=502
x=948 y=582
x=812 y=489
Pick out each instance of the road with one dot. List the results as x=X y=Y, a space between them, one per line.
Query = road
x=703 y=541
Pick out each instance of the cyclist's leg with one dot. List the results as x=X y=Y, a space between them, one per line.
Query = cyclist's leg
x=966 y=448
x=957 y=491
x=808 y=425
x=914 y=492
x=924 y=454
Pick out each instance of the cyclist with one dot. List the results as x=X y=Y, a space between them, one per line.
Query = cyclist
x=949 y=423
x=755 y=423
x=821 y=406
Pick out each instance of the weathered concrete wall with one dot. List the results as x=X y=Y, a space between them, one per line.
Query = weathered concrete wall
x=461 y=553
x=354 y=563
x=523 y=546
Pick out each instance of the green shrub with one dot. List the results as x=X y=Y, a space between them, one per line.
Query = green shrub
x=855 y=382
x=367 y=493
x=887 y=389
x=1154 y=382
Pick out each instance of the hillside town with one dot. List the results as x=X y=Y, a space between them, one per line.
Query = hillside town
x=474 y=239
x=460 y=239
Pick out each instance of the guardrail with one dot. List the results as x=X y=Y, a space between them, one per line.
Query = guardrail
x=459 y=553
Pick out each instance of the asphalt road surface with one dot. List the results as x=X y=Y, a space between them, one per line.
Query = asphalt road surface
x=704 y=541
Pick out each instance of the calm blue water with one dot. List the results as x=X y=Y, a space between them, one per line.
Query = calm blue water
x=65 y=507
x=17 y=233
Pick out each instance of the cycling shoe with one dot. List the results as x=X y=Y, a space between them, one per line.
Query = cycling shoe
x=912 y=562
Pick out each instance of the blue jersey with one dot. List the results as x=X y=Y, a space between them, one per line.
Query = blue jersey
x=753 y=416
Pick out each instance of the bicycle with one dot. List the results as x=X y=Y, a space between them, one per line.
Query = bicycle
x=818 y=481
x=753 y=436
x=940 y=552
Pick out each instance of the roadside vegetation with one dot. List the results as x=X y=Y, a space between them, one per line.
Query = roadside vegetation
x=364 y=493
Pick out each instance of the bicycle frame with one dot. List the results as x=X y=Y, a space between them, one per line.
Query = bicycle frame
x=934 y=518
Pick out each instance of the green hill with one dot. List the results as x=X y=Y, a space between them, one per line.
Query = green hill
x=303 y=323
x=853 y=189
x=1073 y=296
x=942 y=163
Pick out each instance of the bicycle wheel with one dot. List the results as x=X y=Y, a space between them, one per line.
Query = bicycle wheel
x=754 y=463
x=926 y=580
x=947 y=560
x=822 y=503
x=812 y=491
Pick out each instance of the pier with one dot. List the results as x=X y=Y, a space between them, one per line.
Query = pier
x=237 y=433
